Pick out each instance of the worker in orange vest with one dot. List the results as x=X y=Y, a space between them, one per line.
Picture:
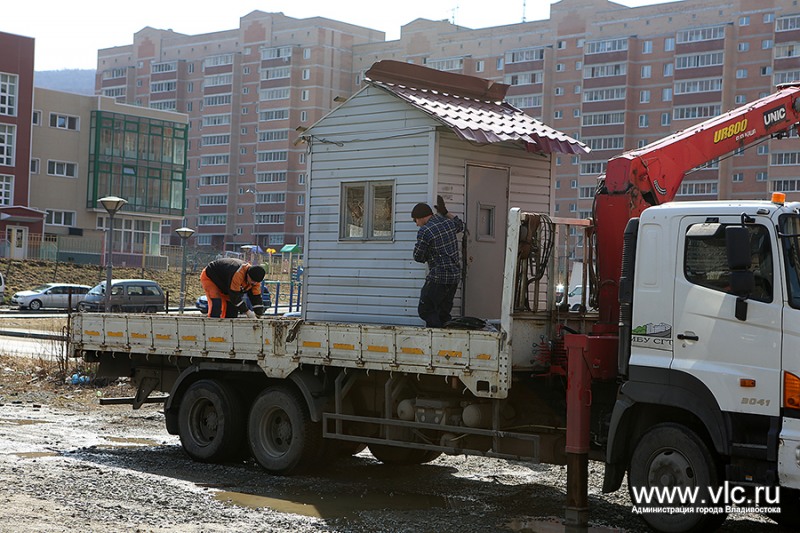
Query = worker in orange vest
x=226 y=281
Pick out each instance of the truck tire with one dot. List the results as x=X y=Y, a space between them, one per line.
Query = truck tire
x=283 y=438
x=672 y=455
x=396 y=455
x=210 y=422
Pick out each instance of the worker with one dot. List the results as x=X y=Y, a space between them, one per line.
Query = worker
x=437 y=245
x=226 y=281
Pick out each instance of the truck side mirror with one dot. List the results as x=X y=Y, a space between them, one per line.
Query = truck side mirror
x=742 y=280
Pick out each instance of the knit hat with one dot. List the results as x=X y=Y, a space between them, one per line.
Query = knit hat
x=421 y=210
x=256 y=273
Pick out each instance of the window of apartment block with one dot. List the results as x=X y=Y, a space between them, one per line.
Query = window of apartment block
x=558 y=114
x=573 y=184
x=647 y=47
x=740 y=99
x=763 y=149
x=768 y=18
x=578 y=65
x=304 y=95
x=666 y=119
x=303 y=116
x=738 y=177
x=647 y=71
x=479 y=66
x=766 y=44
x=366 y=210
x=560 y=67
x=641 y=143
x=761 y=176
x=301 y=178
x=499 y=63
x=666 y=94
x=64 y=122
x=62 y=168
x=741 y=73
x=306 y=53
x=306 y=74
x=35 y=165
x=60 y=218
x=561 y=45
x=36 y=118
x=301 y=199
x=766 y=71
x=644 y=96
x=643 y=121
x=576 y=112
x=744 y=47
x=8 y=94
x=744 y=21
x=668 y=69
x=7 y=142
x=669 y=44
x=559 y=91
x=6 y=189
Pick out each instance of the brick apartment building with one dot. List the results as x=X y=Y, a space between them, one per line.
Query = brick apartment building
x=615 y=77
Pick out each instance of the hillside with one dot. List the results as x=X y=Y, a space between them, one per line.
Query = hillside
x=22 y=275
x=67 y=80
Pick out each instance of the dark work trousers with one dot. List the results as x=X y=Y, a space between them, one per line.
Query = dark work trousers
x=435 y=303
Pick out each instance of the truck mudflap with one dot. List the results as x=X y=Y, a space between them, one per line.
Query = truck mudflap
x=788 y=453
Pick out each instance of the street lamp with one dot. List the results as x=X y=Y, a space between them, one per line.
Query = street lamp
x=184 y=233
x=255 y=215
x=111 y=204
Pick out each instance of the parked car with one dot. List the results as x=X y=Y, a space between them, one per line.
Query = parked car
x=50 y=296
x=127 y=295
x=2 y=287
x=202 y=302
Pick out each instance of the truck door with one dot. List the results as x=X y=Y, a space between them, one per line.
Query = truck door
x=738 y=360
x=486 y=218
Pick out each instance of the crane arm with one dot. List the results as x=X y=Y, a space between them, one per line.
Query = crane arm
x=652 y=175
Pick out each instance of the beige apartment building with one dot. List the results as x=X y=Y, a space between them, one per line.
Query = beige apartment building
x=86 y=147
x=612 y=76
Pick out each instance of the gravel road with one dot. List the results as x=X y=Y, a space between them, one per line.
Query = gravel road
x=68 y=464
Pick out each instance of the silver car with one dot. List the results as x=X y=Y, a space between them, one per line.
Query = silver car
x=50 y=296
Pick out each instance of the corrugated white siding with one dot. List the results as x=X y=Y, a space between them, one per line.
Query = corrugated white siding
x=376 y=136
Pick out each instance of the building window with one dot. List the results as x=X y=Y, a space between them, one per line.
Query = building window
x=766 y=44
x=36 y=118
x=744 y=47
x=740 y=99
x=559 y=91
x=479 y=66
x=366 y=210
x=6 y=189
x=8 y=94
x=499 y=63
x=644 y=96
x=557 y=115
x=761 y=176
x=766 y=71
x=306 y=53
x=64 y=122
x=738 y=177
x=306 y=74
x=560 y=67
x=7 y=138
x=62 y=168
x=763 y=149
x=666 y=119
x=643 y=121
x=666 y=94
x=35 y=163
x=303 y=116
x=301 y=199
x=744 y=21
x=647 y=71
x=304 y=95
x=647 y=47
x=669 y=44
x=60 y=218
x=668 y=69
x=768 y=18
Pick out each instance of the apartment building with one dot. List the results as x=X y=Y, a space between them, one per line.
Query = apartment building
x=612 y=76
x=17 y=219
x=246 y=91
x=87 y=147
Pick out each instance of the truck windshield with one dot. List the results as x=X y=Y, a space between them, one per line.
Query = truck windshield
x=790 y=239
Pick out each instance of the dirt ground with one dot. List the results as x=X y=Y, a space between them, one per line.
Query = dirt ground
x=69 y=464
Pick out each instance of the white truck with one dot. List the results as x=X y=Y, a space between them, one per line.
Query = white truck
x=686 y=377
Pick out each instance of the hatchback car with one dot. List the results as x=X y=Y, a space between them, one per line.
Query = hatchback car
x=127 y=295
x=50 y=296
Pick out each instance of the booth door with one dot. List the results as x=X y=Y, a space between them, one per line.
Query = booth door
x=486 y=217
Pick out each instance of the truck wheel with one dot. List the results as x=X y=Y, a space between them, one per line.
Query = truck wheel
x=282 y=436
x=396 y=455
x=210 y=422
x=672 y=455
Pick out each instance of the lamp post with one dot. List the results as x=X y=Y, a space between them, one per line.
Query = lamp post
x=255 y=215
x=111 y=204
x=184 y=233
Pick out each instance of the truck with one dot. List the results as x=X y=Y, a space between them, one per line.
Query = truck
x=686 y=376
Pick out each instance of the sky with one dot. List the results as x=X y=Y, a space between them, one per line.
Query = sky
x=68 y=34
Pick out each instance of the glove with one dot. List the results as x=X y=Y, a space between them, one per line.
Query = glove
x=440 y=208
x=250 y=314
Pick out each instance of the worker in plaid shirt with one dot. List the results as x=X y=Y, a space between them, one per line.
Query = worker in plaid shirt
x=437 y=246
